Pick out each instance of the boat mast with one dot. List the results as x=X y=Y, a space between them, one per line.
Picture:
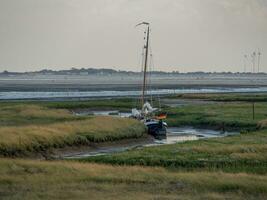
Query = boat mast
x=146 y=47
x=145 y=65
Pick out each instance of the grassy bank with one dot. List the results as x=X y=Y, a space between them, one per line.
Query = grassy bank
x=231 y=116
x=27 y=128
x=226 y=97
x=18 y=114
x=21 y=179
x=244 y=153
x=119 y=104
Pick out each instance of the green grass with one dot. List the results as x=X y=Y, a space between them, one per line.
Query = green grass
x=28 y=114
x=122 y=104
x=226 y=97
x=19 y=113
x=233 y=116
x=244 y=153
x=24 y=179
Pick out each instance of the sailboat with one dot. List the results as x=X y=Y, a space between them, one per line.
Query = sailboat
x=151 y=117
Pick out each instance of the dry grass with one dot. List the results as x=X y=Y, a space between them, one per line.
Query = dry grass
x=32 y=128
x=262 y=124
x=34 y=138
x=27 y=114
x=20 y=179
x=37 y=111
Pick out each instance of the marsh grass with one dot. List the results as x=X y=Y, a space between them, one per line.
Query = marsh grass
x=244 y=153
x=225 y=168
x=37 y=138
x=226 y=97
x=28 y=114
x=24 y=179
x=231 y=116
x=121 y=104
x=34 y=128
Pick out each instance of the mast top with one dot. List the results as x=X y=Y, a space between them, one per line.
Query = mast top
x=143 y=23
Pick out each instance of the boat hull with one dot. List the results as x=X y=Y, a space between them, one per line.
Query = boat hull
x=158 y=129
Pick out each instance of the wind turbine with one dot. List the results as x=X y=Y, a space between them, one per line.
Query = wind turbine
x=253 y=59
x=245 y=62
x=259 y=59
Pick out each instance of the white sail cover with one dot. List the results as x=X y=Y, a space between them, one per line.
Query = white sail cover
x=136 y=113
x=147 y=109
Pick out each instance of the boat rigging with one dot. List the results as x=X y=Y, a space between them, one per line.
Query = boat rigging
x=147 y=114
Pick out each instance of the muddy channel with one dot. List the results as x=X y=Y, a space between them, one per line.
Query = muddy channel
x=175 y=135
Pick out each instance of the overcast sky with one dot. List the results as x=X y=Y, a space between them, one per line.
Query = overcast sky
x=187 y=35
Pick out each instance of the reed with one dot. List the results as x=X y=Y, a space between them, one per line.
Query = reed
x=38 y=138
x=37 y=127
x=25 y=179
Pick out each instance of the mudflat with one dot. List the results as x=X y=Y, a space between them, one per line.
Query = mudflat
x=93 y=82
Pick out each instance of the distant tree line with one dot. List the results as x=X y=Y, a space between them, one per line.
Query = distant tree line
x=106 y=71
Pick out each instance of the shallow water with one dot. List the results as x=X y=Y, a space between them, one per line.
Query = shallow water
x=175 y=135
x=13 y=95
x=104 y=113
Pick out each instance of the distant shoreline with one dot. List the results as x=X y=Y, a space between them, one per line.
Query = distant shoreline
x=89 y=87
x=62 y=95
x=127 y=83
